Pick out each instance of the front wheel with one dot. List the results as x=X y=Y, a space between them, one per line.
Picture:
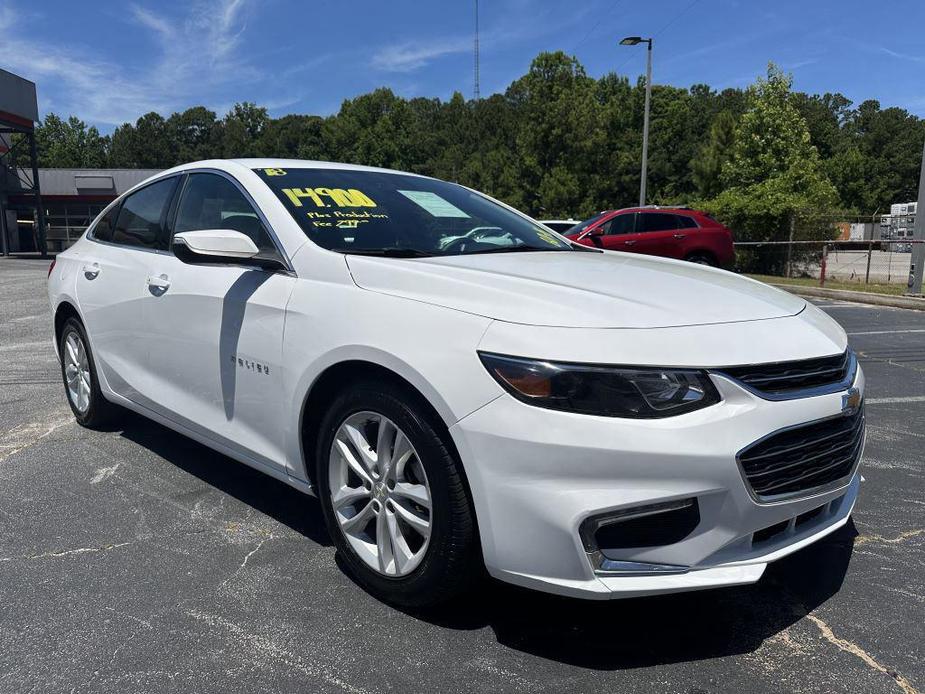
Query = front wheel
x=394 y=498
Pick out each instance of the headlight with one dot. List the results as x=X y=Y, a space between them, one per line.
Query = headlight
x=609 y=391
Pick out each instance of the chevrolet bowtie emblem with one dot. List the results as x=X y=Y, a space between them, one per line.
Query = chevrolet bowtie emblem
x=850 y=402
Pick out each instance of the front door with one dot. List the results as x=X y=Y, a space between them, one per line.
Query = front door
x=215 y=359
x=617 y=232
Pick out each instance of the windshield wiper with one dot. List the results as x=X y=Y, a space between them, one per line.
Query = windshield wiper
x=510 y=249
x=386 y=252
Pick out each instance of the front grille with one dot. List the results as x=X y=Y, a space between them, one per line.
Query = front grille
x=803 y=458
x=784 y=376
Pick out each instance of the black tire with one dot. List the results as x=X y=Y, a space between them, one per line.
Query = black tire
x=100 y=411
x=452 y=560
x=702 y=259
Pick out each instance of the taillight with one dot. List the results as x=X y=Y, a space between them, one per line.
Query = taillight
x=51 y=267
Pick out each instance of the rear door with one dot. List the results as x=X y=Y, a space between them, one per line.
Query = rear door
x=111 y=284
x=658 y=234
x=217 y=330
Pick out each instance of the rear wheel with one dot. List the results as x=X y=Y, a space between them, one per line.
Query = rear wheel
x=702 y=259
x=81 y=383
x=394 y=498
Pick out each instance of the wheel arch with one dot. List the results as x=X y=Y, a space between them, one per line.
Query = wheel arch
x=705 y=252
x=65 y=310
x=339 y=375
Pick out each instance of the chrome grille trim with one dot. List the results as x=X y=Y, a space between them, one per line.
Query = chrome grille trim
x=789 y=380
x=773 y=468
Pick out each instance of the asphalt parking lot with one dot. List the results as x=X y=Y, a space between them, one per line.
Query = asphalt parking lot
x=137 y=560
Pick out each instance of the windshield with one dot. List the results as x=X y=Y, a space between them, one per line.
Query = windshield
x=375 y=213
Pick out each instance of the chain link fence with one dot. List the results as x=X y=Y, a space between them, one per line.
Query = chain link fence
x=870 y=262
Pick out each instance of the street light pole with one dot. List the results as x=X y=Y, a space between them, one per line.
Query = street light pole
x=633 y=41
x=645 y=127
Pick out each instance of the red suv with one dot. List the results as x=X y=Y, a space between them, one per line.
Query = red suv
x=672 y=232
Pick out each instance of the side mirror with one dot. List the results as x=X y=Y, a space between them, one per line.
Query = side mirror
x=597 y=231
x=213 y=246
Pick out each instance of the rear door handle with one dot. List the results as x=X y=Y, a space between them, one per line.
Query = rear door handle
x=629 y=243
x=680 y=236
x=158 y=285
x=92 y=271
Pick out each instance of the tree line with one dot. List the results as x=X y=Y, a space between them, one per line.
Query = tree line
x=558 y=142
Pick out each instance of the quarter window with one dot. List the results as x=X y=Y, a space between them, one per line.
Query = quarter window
x=103 y=229
x=141 y=217
x=211 y=201
x=685 y=222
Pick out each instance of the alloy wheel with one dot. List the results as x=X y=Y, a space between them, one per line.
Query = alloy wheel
x=380 y=494
x=77 y=372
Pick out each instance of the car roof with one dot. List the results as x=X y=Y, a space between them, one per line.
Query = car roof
x=277 y=163
x=268 y=163
x=680 y=209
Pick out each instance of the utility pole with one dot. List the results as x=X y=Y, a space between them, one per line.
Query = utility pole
x=475 y=92
x=918 y=249
x=633 y=41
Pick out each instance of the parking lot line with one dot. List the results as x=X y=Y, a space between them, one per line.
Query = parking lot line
x=888 y=401
x=887 y=332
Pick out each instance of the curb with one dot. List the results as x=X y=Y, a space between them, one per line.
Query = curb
x=857 y=297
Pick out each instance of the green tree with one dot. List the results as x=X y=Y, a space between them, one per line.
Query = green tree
x=774 y=174
x=69 y=143
x=707 y=166
x=193 y=135
x=242 y=127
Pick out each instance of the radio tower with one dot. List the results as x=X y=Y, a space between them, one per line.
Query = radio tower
x=475 y=91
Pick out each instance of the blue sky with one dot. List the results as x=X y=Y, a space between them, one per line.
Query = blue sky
x=109 y=62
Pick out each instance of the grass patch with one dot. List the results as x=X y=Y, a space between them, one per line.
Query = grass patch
x=891 y=289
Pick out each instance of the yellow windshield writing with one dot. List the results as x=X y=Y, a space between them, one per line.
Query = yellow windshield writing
x=328 y=197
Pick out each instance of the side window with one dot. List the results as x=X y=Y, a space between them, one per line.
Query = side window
x=621 y=224
x=211 y=201
x=103 y=228
x=657 y=221
x=141 y=216
x=685 y=222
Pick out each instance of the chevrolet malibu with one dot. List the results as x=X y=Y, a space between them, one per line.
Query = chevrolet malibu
x=462 y=387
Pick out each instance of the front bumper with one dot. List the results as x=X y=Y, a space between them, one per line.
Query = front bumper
x=537 y=474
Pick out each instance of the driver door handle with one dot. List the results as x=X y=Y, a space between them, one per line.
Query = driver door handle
x=158 y=285
x=92 y=271
x=680 y=236
x=629 y=243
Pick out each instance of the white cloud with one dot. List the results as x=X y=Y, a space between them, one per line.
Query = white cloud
x=410 y=56
x=195 y=59
x=902 y=56
x=150 y=20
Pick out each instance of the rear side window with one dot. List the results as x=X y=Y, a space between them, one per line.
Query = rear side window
x=141 y=217
x=211 y=201
x=685 y=222
x=657 y=221
x=103 y=229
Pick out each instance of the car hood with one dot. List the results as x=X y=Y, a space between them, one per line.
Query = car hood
x=577 y=289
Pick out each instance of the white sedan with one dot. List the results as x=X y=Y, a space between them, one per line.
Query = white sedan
x=589 y=423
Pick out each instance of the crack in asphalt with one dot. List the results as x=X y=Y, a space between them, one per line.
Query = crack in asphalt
x=902 y=537
x=271 y=650
x=23 y=436
x=854 y=649
x=67 y=552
